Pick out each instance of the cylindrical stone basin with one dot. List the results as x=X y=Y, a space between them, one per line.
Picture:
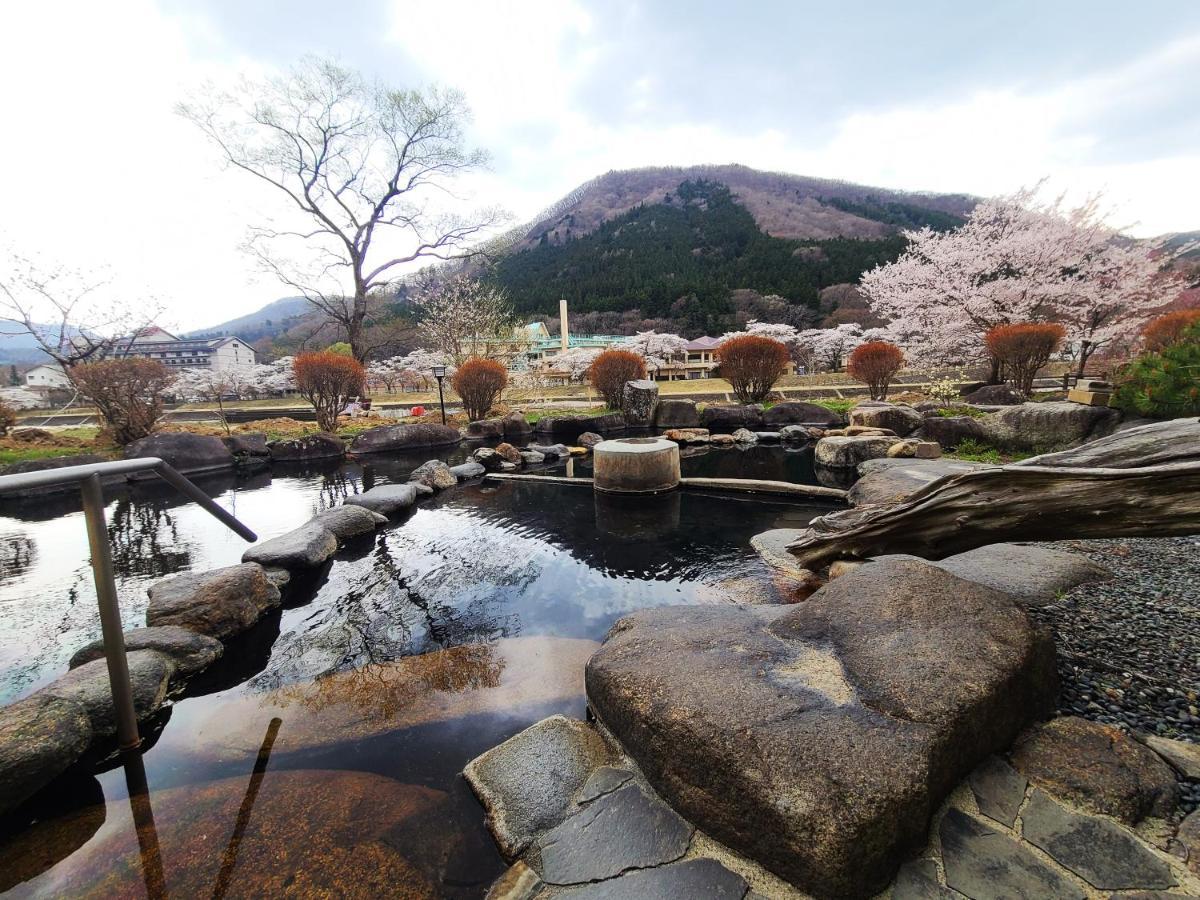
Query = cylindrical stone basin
x=636 y=465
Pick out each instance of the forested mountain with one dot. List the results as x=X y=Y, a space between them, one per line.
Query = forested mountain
x=679 y=258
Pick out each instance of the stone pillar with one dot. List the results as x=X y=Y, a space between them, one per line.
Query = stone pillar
x=639 y=402
x=636 y=465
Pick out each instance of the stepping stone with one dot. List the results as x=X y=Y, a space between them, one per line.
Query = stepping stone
x=40 y=737
x=694 y=879
x=620 y=831
x=1098 y=851
x=986 y=865
x=190 y=651
x=843 y=721
x=348 y=522
x=917 y=880
x=998 y=789
x=467 y=470
x=387 y=499
x=1098 y=768
x=305 y=547
x=527 y=783
x=219 y=603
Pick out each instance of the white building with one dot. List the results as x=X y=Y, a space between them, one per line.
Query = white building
x=47 y=378
x=217 y=354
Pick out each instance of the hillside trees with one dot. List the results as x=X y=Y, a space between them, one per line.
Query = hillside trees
x=362 y=169
x=1018 y=259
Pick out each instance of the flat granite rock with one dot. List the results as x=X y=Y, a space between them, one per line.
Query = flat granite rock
x=889 y=481
x=604 y=780
x=772 y=545
x=1183 y=756
x=998 y=789
x=40 y=737
x=351 y=521
x=527 y=783
x=624 y=830
x=1103 y=854
x=189 y=650
x=819 y=739
x=387 y=499
x=469 y=469
x=982 y=863
x=1098 y=768
x=219 y=603
x=305 y=547
x=1035 y=575
x=691 y=879
x=149 y=674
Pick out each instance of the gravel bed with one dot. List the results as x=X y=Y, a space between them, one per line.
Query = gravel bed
x=1129 y=648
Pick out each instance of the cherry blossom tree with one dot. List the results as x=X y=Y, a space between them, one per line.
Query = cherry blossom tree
x=574 y=361
x=462 y=317
x=827 y=348
x=1019 y=259
x=658 y=350
x=214 y=386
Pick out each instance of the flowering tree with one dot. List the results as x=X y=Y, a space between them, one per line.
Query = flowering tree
x=827 y=348
x=20 y=398
x=658 y=350
x=1018 y=259
x=461 y=317
x=575 y=361
x=214 y=386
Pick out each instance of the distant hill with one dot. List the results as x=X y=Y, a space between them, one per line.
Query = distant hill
x=670 y=250
x=275 y=317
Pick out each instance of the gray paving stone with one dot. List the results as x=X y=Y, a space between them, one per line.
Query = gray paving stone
x=998 y=789
x=1095 y=849
x=1183 y=756
x=623 y=830
x=986 y=865
x=917 y=880
x=694 y=879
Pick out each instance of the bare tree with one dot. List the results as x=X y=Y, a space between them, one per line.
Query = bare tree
x=364 y=164
x=462 y=317
x=75 y=317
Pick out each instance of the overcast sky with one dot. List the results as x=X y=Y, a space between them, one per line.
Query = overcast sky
x=941 y=96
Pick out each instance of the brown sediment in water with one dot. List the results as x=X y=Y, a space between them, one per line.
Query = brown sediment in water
x=497 y=677
x=308 y=833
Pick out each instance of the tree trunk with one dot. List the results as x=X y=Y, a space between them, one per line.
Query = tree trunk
x=1086 y=349
x=994 y=377
x=1029 y=503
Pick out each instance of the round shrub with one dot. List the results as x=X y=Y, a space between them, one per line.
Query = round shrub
x=875 y=364
x=1022 y=349
x=1168 y=329
x=328 y=381
x=128 y=394
x=478 y=382
x=752 y=364
x=610 y=370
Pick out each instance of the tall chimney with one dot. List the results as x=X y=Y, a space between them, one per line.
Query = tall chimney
x=562 y=324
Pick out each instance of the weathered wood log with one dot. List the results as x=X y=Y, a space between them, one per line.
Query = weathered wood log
x=1025 y=502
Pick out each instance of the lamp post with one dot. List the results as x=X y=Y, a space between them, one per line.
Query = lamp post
x=439 y=372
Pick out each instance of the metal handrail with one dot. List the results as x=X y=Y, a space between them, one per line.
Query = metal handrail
x=92 y=493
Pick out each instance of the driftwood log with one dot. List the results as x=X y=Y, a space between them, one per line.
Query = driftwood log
x=1140 y=482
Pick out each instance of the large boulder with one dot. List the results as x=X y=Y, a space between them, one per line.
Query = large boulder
x=149 y=675
x=435 y=474
x=639 y=402
x=819 y=739
x=516 y=426
x=950 y=431
x=673 y=413
x=394 y=438
x=219 y=603
x=847 y=452
x=994 y=395
x=794 y=412
x=468 y=470
x=485 y=429
x=188 y=453
x=727 y=419
x=310 y=447
x=1031 y=426
x=350 y=521
x=902 y=420
x=40 y=737
x=883 y=482
x=1172 y=441
x=191 y=651
x=247 y=446
x=387 y=499
x=568 y=428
